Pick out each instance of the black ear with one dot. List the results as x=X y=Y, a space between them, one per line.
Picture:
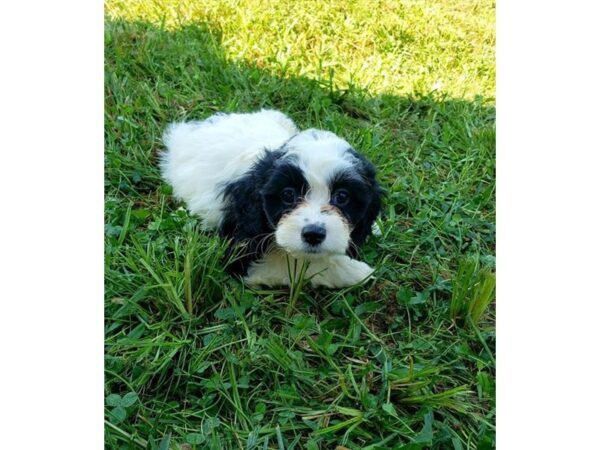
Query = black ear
x=244 y=219
x=364 y=227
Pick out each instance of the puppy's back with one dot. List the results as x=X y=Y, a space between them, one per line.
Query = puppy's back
x=203 y=156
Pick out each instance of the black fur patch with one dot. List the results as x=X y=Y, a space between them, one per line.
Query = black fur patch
x=253 y=206
x=365 y=200
x=284 y=175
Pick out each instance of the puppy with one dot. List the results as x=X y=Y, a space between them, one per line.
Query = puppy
x=294 y=201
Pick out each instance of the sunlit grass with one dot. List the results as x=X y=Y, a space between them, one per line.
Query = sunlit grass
x=397 y=47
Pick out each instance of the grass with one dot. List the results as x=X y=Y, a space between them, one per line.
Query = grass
x=196 y=360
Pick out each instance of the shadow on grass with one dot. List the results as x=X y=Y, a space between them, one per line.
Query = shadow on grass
x=435 y=157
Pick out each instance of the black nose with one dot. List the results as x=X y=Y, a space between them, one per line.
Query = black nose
x=313 y=234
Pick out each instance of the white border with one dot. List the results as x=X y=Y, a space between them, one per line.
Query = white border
x=548 y=229
x=51 y=329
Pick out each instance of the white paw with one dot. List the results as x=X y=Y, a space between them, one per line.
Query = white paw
x=342 y=271
x=360 y=271
x=376 y=230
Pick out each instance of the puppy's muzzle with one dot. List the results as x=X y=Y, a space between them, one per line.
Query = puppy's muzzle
x=313 y=234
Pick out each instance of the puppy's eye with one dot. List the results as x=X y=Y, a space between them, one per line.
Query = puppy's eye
x=288 y=196
x=341 y=197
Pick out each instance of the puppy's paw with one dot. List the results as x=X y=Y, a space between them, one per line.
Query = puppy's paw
x=342 y=271
x=359 y=271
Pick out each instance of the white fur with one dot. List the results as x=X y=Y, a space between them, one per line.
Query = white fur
x=204 y=156
x=333 y=271
x=288 y=233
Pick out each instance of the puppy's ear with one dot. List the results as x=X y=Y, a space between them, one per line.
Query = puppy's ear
x=364 y=227
x=244 y=219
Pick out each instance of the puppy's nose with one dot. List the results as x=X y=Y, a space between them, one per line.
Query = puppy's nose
x=313 y=234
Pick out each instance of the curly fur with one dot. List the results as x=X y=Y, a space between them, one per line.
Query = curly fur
x=266 y=186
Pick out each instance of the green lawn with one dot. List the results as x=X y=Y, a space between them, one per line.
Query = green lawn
x=195 y=360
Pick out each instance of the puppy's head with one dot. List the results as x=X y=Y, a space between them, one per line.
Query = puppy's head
x=315 y=195
x=321 y=197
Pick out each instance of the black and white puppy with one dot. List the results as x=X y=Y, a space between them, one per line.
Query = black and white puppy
x=282 y=193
